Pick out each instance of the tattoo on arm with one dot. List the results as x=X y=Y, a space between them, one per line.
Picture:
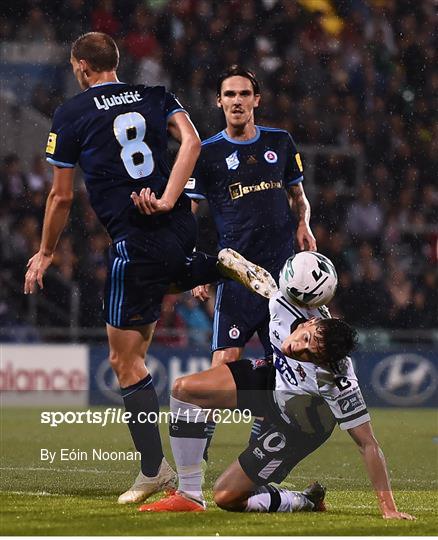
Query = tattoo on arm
x=299 y=203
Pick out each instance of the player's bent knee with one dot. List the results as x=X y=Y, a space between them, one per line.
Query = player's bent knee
x=182 y=389
x=227 y=496
x=229 y=500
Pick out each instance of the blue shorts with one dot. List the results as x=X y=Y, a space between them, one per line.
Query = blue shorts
x=238 y=314
x=141 y=271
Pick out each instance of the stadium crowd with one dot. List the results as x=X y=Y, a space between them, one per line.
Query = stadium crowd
x=371 y=86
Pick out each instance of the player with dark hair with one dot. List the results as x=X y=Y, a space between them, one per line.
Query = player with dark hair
x=118 y=133
x=237 y=71
x=251 y=176
x=309 y=386
x=246 y=173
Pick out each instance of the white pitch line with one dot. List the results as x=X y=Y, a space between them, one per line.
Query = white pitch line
x=33 y=493
x=47 y=494
x=50 y=469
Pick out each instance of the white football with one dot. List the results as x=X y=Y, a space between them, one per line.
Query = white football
x=308 y=279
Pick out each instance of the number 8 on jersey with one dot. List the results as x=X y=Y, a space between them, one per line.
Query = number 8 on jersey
x=129 y=130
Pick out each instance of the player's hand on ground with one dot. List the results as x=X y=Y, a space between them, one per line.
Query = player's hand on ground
x=305 y=238
x=36 y=268
x=201 y=292
x=147 y=203
x=395 y=514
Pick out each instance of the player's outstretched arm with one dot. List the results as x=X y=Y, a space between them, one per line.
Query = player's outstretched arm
x=301 y=206
x=57 y=211
x=376 y=467
x=181 y=129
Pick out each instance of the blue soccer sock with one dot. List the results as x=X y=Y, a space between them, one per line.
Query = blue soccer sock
x=142 y=398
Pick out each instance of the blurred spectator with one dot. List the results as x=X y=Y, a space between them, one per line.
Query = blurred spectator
x=65 y=259
x=366 y=263
x=401 y=297
x=365 y=216
x=44 y=100
x=426 y=300
x=13 y=180
x=151 y=71
x=369 y=297
x=337 y=251
x=104 y=20
x=140 y=41
x=39 y=178
x=171 y=329
x=329 y=209
x=73 y=20
x=24 y=238
x=6 y=29
x=197 y=321
x=36 y=27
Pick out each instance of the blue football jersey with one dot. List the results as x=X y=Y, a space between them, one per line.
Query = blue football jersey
x=117 y=133
x=245 y=185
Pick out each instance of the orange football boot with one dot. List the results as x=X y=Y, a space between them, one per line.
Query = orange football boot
x=176 y=502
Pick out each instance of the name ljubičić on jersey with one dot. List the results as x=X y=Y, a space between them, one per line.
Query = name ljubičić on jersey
x=120 y=99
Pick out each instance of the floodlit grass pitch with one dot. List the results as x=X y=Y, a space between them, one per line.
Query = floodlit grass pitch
x=79 y=498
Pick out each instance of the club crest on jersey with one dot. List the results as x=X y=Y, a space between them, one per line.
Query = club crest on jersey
x=258 y=363
x=270 y=156
x=234 y=332
x=300 y=370
x=232 y=161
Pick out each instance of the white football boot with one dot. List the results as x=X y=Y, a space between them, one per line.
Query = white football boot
x=253 y=277
x=145 y=486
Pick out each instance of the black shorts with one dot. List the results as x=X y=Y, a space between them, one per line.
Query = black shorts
x=280 y=446
x=141 y=270
x=238 y=314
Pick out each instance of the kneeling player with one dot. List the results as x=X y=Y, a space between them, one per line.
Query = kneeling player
x=309 y=386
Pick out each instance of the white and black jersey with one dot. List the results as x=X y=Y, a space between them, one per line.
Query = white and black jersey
x=337 y=385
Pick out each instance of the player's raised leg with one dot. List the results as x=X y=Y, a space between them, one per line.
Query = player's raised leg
x=255 y=278
x=211 y=389
x=128 y=347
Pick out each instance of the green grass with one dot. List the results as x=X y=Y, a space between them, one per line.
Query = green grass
x=79 y=498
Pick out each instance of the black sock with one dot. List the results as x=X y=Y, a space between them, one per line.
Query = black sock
x=209 y=431
x=256 y=429
x=200 y=269
x=142 y=398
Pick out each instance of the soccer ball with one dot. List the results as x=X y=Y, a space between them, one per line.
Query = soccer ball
x=308 y=279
